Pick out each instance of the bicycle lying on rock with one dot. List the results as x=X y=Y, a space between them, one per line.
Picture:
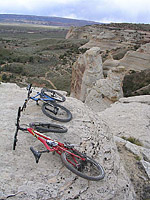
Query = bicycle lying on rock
x=50 y=108
x=79 y=163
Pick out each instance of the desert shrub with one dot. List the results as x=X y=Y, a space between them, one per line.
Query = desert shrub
x=5 y=78
x=132 y=140
x=138 y=158
x=135 y=81
x=31 y=59
x=39 y=82
x=2 y=62
x=13 y=68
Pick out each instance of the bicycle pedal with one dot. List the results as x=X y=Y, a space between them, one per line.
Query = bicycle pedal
x=36 y=154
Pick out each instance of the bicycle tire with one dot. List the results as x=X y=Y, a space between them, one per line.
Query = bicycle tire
x=53 y=94
x=62 y=114
x=48 y=127
x=100 y=171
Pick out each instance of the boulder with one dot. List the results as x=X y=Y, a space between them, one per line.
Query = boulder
x=109 y=63
x=106 y=91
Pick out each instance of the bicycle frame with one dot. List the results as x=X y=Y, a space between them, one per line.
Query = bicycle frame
x=58 y=147
x=37 y=97
x=41 y=97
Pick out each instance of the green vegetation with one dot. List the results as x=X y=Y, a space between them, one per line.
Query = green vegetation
x=138 y=158
x=135 y=81
x=143 y=27
x=37 y=54
x=132 y=140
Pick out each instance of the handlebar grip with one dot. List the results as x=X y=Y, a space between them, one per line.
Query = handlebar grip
x=29 y=87
x=29 y=90
x=18 y=115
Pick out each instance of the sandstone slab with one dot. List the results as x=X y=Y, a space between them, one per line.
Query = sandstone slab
x=49 y=179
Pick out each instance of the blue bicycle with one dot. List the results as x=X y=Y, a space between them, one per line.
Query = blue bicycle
x=50 y=108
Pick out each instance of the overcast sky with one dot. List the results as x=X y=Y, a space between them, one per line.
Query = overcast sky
x=135 y=11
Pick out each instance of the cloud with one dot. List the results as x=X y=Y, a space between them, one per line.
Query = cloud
x=96 y=10
x=132 y=10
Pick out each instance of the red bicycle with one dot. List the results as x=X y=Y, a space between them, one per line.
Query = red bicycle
x=79 y=163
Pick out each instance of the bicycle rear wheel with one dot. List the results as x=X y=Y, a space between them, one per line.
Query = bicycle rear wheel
x=53 y=94
x=56 y=112
x=47 y=127
x=88 y=169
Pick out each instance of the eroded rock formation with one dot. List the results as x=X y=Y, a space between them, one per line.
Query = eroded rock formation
x=107 y=90
x=89 y=84
x=86 y=70
x=118 y=47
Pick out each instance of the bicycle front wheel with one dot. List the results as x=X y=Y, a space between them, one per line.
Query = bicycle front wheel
x=53 y=94
x=88 y=169
x=47 y=127
x=56 y=112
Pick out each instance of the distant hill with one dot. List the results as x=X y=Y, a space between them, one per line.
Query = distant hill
x=42 y=20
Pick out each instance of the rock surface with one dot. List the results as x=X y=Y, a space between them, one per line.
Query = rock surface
x=89 y=84
x=119 y=47
x=109 y=38
x=137 y=61
x=86 y=70
x=107 y=90
x=49 y=179
x=130 y=117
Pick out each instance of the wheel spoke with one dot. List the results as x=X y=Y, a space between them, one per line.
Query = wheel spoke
x=88 y=168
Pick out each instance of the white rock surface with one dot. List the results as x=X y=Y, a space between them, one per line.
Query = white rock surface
x=49 y=179
x=106 y=90
x=130 y=117
x=146 y=166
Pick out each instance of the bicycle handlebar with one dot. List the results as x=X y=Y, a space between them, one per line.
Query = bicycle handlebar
x=18 y=127
x=28 y=97
x=29 y=87
x=29 y=90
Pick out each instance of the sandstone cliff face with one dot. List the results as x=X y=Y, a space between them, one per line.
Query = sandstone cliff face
x=89 y=84
x=137 y=61
x=118 y=48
